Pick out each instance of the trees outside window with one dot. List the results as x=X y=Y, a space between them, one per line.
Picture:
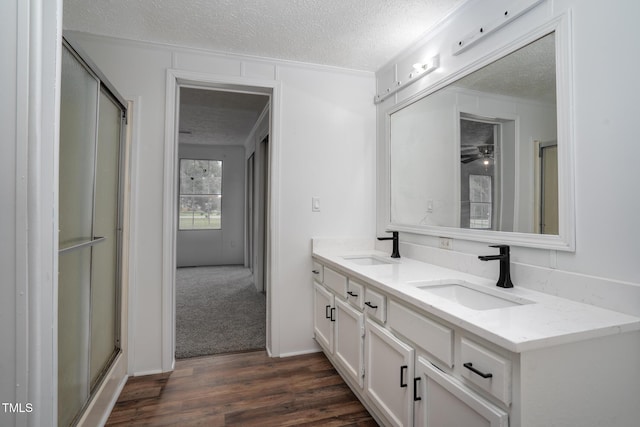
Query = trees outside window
x=200 y=194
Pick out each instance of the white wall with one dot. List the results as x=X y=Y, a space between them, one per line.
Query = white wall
x=604 y=268
x=325 y=148
x=224 y=246
x=8 y=115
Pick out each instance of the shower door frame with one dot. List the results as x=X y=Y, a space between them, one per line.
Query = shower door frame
x=105 y=88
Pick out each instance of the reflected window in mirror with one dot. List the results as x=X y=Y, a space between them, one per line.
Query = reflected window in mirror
x=480 y=214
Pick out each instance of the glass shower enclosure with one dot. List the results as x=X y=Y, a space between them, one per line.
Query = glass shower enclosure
x=92 y=121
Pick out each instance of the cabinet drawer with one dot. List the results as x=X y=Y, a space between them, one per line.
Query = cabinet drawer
x=479 y=362
x=355 y=294
x=318 y=271
x=336 y=282
x=375 y=305
x=443 y=400
x=426 y=333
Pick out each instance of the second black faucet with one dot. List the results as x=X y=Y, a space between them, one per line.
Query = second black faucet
x=504 y=281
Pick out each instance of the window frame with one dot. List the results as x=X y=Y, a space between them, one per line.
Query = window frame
x=209 y=193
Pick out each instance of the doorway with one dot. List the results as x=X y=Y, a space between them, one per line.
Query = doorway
x=480 y=174
x=220 y=301
x=488 y=152
x=547 y=182
x=258 y=192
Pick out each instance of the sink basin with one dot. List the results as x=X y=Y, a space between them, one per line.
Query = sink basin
x=471 y=298
x=367 y=260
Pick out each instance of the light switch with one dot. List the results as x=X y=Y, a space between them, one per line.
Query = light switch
x=315 y=204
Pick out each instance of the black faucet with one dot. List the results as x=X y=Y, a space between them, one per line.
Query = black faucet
x=504 y=281
x=395 y=253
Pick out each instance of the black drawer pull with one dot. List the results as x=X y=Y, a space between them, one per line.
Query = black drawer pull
x=326 y=312
x=402 y=369
x=333 y=310
x=415 y=389
x=315 y=271
x=470 y=367
x=368 y=304
x=352 y=294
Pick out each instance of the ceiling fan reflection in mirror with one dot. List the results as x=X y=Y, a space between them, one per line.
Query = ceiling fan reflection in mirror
x=470 y=153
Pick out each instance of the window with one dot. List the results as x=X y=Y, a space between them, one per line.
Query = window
x=481 y=203
x=200 y=194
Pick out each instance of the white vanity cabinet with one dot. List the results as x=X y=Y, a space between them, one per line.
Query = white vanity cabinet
x=382 y=349
x=349 y=334
x=441 y=400
x=416 y=367
x=323 y=316
x=339 y=325
x=355 y=294
x=389 y=374
x=438 y=398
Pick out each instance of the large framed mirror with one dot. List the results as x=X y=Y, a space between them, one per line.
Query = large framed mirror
x=488 y=154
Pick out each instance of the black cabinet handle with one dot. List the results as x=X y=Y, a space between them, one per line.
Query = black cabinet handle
x=368 y=304
x=315 y=271
x=470 y=367
x=333 y=310
x=415 y=389
x=352 y=294
x=326 y=312
x=403 y=368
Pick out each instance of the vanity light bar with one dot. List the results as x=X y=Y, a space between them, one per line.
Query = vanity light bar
x=419 y=70
x=508 y=15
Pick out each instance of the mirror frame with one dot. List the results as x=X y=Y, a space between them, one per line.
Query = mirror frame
x=565 y=240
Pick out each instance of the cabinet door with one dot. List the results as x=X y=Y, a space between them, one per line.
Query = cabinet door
x=389 y=374
x=323 y=316
x=441 y=401
x=349 y=343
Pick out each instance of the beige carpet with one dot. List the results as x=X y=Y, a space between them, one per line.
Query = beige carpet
x=218 y=310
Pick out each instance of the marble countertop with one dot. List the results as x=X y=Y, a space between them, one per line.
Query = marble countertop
x=544 y=321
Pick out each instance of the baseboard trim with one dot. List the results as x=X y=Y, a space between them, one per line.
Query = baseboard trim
x=104 y=400
x=300 y=353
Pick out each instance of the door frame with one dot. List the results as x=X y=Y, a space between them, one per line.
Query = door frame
x=175 y=80
x=539 y=190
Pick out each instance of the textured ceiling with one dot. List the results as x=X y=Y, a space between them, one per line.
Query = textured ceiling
x=356 y=34
x=217 y=117
x=528 y=73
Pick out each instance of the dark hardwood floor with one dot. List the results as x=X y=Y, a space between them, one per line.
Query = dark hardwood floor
x=242 y=389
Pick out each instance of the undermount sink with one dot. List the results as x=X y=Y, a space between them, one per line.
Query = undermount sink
x=471 y=298
x=367 y=260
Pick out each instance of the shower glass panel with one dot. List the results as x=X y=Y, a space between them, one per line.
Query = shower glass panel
x=73 y=333
x=91 y=129
x=104 y=268
x=78 y=115
x=78 y=121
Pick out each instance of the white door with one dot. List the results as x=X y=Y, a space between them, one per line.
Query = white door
x=549 y=223
x=389 y=374
x=349 y=343
x=441 y=401
x=323 y=316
